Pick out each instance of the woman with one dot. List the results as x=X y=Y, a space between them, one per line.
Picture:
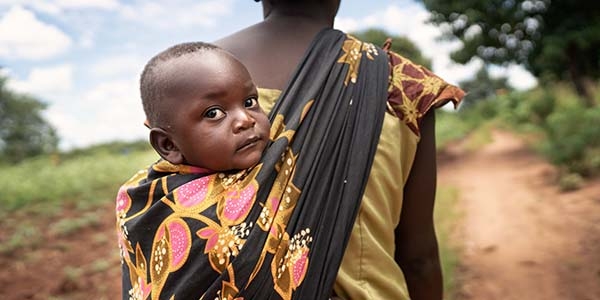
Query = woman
x=349 y=173
x=271 y=50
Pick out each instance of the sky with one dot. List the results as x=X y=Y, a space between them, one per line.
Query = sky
x=84 y=57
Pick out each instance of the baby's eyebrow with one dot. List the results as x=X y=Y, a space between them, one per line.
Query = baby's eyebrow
x=250 y=83
x=215 y=94
x=252 y=88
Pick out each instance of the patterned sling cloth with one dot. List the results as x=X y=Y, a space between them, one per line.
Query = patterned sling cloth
x=277 y=230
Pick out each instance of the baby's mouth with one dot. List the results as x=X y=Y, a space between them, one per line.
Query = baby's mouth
x=248 y=143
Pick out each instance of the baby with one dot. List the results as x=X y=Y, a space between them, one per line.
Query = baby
x=202 y=108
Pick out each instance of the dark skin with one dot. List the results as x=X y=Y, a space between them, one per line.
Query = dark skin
x=271 y=51
x=418 y=254
x=212 y=118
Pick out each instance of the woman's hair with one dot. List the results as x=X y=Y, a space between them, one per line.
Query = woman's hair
x=151 y=81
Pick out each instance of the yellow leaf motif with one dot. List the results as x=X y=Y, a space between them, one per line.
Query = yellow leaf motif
x=353 y=51
x=411 y=112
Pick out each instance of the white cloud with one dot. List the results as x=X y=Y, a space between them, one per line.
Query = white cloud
x=347 y=24
x=120 y=113
x=120 y=94
x=453 y=72
x=177 y=15
x=22 y=35
x=56 y=7
x=116 y=113
x=4 y=72
x=78 y=4
x=518 y=77
x=86 y=40
x=128 y=66
x=45 y=81
x=67 y=128
x=108 y=111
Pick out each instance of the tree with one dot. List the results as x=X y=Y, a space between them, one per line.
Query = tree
x=482 y=87
x=23 y=130
x=400 y=45
x=552 y=39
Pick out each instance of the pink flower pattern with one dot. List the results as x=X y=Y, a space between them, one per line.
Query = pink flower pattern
x=192 y=193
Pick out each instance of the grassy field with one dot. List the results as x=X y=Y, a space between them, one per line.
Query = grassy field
x=48 y=201
x=36 y=193
x=83 y=180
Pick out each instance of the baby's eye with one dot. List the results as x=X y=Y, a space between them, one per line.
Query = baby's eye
x=250 y=102
x=214 y=113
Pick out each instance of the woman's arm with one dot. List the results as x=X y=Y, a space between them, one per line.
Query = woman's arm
x=416 y=242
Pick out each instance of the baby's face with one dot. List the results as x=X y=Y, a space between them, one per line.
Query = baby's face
x=216 y=121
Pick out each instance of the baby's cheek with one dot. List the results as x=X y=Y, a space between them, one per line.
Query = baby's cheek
x=264 y=126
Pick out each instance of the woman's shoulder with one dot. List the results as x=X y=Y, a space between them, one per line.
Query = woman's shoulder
x=414 y=90
x=411 y=78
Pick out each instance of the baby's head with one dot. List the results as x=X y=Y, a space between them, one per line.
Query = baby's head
x=202 y=108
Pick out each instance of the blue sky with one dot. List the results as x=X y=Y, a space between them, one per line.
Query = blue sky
x=84 y=57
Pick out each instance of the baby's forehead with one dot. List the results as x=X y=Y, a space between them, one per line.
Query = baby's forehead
x=207 y=54
x=208 y=59
x=204 y=70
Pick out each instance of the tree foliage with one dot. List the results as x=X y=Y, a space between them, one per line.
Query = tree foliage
x=23 y=130
x=400 y=45
x=482 y=87
x=552 y=39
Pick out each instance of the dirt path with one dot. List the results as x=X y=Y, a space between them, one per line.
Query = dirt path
x=520 y=237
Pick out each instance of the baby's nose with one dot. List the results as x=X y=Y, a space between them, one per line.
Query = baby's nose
x=243 y=121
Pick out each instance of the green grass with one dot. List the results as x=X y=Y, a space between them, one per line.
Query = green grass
x=68 y=226
x=83 y=181
x=38 y=191
x=100 y=265
x=479 y=137
x=25 y=235
x=446 y=217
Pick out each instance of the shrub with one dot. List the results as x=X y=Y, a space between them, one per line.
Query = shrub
x=570 y=182
x=573 y=139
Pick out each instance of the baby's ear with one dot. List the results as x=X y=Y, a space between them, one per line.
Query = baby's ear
x=163 y=144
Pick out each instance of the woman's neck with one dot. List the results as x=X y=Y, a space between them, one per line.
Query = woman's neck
x=298 y=15
x=296 y=24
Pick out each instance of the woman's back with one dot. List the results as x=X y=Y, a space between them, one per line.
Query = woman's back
x=272 y=49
